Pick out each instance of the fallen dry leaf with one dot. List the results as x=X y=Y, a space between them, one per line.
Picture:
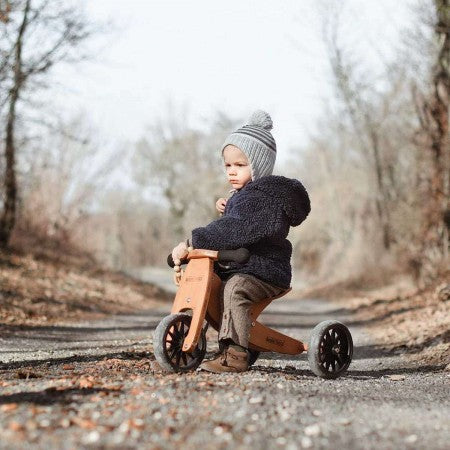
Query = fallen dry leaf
x=87 y=424
x=9 y=407
x=136 y=391
x=86 y=382
x=168 y=431
x=15 y=426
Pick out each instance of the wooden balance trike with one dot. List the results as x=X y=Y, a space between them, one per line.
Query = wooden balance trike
x=180 y=338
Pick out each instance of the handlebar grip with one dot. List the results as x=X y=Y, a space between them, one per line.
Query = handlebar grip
x=170 y=261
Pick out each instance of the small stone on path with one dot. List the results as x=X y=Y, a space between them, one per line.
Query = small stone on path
x=91 y=438
x=344 y=421
x=411 y=439
x=312 y=430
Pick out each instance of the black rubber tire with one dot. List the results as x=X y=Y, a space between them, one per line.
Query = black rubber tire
x=253 y=355
x=330 y=349
x=168 y=353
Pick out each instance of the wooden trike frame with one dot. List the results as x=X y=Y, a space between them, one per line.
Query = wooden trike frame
x=198 y=292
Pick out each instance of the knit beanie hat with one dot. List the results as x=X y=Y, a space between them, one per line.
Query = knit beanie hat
x=257 y=143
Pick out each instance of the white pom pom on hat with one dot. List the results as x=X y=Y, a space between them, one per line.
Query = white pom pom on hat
x=261 y=119
x=257 y=143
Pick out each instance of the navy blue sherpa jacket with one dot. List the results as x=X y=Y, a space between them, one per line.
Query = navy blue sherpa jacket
x=258 y=217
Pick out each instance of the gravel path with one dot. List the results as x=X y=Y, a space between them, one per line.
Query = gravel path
x=94 y=385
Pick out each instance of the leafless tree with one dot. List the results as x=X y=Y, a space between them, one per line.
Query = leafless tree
x=183 y=164
x=62 y=181
x=433 y=111
x=372 y=158
x=367 y=111
x=37 y=35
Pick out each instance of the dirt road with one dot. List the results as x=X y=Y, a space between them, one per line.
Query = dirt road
x=93 y=385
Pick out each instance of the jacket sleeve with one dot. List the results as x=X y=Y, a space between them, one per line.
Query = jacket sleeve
x=251 y=220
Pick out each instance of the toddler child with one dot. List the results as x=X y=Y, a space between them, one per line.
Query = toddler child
x=257 y=216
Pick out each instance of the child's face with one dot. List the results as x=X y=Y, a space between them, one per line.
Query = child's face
x=237 y=167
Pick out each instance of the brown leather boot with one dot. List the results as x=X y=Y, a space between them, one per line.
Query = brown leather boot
x=229 y=361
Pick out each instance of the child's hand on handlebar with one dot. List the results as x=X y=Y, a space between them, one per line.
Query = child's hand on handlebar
x=179 y=252
x=220 y=204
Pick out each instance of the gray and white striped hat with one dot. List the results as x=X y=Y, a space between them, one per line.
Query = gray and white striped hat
x=257 y=143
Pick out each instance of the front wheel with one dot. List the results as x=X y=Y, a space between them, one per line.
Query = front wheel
x=168 y=340
x=330 y=349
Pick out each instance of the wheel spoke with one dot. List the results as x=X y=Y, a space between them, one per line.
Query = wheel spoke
x=183 y=356
x=325 y=343
x=329 y=342
x=173 y=353
x=178 y=357
x=333 y=341
x=176 y=333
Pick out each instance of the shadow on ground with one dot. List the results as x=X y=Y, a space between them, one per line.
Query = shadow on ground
x=352 y=374
x=73 y=359
x=360 y=352
x=51 y=396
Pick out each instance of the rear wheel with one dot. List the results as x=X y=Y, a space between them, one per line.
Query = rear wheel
x=330 y=349
x=168 y=340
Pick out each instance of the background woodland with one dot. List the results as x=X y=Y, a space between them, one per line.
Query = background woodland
x=376 y=168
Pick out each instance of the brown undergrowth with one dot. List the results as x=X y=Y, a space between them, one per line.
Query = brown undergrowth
x=45 y=287
x=401 y=317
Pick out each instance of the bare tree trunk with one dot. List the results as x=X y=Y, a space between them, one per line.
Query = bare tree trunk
x=441 y=146
x=366 y=130
x=381 y=200
x=7 y=221
x=436 y=235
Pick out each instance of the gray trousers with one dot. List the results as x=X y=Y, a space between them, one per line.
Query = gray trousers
x=238 y=294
